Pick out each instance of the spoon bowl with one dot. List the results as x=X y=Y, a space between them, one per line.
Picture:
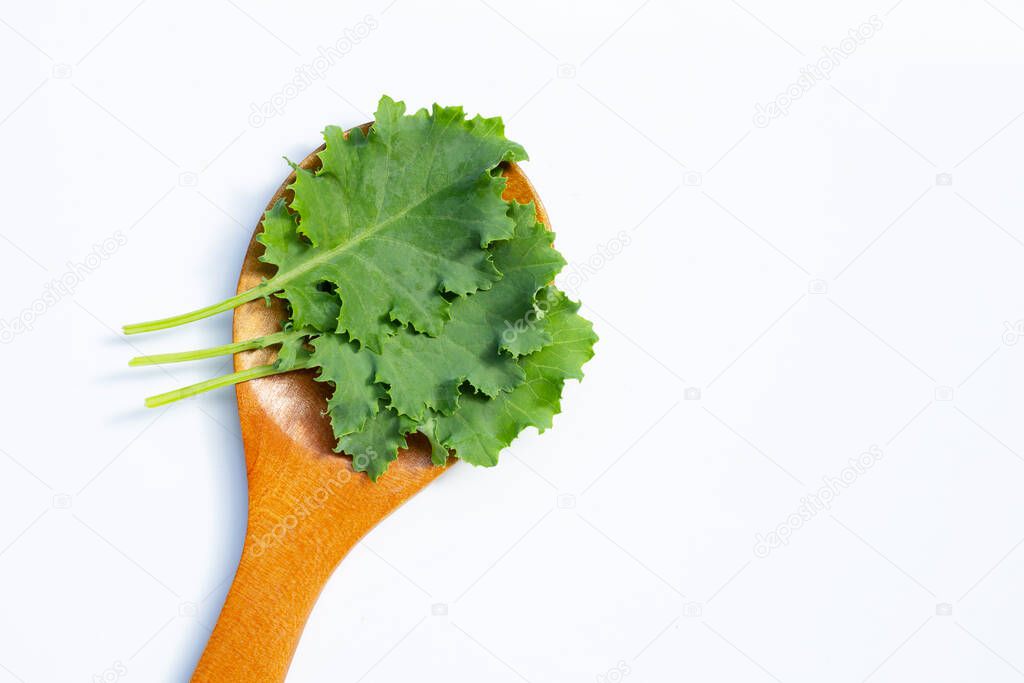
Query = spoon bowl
x=307 y=506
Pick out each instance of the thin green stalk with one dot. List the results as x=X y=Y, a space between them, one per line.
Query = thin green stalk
x=225 y=350
x=257 y=292
x=267 y=287
x=215 y=383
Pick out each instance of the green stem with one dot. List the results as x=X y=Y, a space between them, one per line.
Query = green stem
x=225 y=350
x=215 y=383
x=257 y=292
x=272 y=285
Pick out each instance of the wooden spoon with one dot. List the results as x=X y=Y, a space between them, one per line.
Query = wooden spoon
x=307 y=506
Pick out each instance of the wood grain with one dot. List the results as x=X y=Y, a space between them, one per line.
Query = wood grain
x=307 y=507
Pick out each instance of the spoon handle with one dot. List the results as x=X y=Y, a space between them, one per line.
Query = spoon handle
x=270 y=599
x=286 y=560
x=306 y=511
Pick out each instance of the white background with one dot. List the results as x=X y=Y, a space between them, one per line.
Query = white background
x=813 y=279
